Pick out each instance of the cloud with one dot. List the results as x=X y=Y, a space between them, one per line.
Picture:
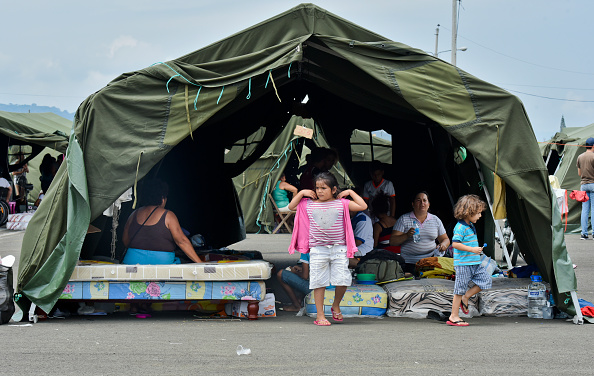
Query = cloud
x=121 y=42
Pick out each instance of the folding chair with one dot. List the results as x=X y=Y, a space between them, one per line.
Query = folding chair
x=284 y=217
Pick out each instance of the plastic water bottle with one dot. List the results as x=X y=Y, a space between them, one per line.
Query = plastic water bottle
x=536 y=297
x=417 y=235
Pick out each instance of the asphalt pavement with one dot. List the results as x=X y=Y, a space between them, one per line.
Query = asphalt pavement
x=180 y=343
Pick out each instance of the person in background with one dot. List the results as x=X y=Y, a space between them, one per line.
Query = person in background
x=20 y=179
x=382 y=229
x=431 y=229
x=378 y=184
x=280 y=193
x=467 y=259
x=47 y=168
x=5 y=187
x=363 y=231
x=295 y=281
x=585 y=167
x=152 y=233
x=319 y=160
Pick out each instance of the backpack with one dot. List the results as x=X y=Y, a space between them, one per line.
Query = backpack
x=384 y=270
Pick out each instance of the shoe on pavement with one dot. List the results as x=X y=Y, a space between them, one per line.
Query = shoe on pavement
x=584 y=237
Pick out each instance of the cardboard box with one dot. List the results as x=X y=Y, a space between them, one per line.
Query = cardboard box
x=267 y=307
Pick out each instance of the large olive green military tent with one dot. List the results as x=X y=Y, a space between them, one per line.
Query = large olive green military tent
x=175 y=119
x=34 y=135
x=561 y=153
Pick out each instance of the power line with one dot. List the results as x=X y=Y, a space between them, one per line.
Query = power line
x=555 y=99
x=523 y=61
x=545 y=87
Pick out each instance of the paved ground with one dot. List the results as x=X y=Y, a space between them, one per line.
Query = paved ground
x=177 y=343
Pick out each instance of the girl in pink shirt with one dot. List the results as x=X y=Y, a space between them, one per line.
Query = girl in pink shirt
x=323 y=229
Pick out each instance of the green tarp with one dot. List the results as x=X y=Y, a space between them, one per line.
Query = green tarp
x=176 y=119
x=567 y=146
x=39 y=132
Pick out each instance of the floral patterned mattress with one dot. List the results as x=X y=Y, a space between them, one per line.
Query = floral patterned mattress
x=164 y=290
x=358 y=301
x=208 y=271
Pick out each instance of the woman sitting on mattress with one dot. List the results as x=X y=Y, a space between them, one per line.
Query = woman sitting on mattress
x=431 y=233
x=152 y=233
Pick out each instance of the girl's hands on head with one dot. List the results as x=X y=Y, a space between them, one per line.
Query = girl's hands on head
x=309 y=193
x=345 y=193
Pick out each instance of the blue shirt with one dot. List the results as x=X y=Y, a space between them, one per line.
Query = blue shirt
x=465 y=233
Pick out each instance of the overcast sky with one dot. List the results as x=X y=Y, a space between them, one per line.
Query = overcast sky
x=56 y=53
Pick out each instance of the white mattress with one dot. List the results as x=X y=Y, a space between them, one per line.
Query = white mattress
x=208 y=271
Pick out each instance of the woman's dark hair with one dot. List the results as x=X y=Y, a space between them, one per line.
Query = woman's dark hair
x=414 y=197
x=318 y=154
x=153 y=192
x=380 y=203
x=329 y=179
x=47 y=164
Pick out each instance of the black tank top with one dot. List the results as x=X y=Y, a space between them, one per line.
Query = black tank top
x=155 y=237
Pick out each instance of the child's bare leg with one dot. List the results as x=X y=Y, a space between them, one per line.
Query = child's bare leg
x=295 y=302
x=455 y=316
x=319 y=299
x=470 y=293
x=339 y=292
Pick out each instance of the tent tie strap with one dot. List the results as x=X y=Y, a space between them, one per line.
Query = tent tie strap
x=188 y=114
x=136 y=180
x=196 y=99
x=270 y=78
x=220 y=95
x=249 y=89
x=172 y=77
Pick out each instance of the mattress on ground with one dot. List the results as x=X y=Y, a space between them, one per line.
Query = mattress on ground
x=416 y=298
x=208 y=271
x=507 y=297
x=164 y=290
x=358 y=301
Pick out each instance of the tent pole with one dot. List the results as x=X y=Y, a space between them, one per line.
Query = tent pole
x=578 y=318
x=548 y=157
x=488 y=196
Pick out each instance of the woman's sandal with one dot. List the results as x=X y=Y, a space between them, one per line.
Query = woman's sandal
x=322 y=322
x=336 y=316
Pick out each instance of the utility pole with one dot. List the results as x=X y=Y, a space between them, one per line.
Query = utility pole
x=454 y=31
x=436 y=40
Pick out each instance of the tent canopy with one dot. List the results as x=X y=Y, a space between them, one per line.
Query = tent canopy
x=36 y=130
x=175 y=120
x=564 y=148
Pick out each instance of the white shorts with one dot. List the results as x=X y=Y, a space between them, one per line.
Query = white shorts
x=329 y=265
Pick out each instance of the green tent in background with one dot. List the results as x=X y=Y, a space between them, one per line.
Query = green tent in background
x=561 y=153
x=35 y=135
x=258 y=180
x=175 y=120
